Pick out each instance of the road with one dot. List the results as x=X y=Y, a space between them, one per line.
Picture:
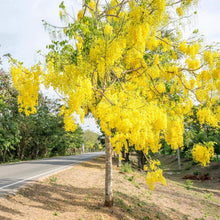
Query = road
x=15 y=175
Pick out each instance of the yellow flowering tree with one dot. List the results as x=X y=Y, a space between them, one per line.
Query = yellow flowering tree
x=118 y=63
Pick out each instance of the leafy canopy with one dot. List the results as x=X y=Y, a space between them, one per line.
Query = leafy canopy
x=120 y=62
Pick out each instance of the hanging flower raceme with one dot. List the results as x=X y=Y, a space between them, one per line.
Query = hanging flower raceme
x=27 y=83
x=203 y=152
x=154 y=174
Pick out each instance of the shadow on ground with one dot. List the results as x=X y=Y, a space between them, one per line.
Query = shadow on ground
x=188 y=167
x=62 y=198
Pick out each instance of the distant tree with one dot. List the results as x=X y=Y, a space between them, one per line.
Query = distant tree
x=39 y=135
x=196 y=133
x=90 y=138
x=9 y=132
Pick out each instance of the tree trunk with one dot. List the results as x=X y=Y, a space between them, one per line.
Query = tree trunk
x=141 y=160
x=18 y=150
x=127 y=157
x=118 y=160
x=4 y=155
x=37 y=151
x=178 y=155
x=32 y=153
x=108 y=173
x=123 y=153
x=115 y=155
x=22 y=152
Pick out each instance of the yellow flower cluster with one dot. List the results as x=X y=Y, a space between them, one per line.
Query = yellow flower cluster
x=193 y=64
x=202 y=95
x=132 y=124
x=108 y=29
x=27 y=83
x=155 y=176
x=92 y=4
x=179 y=11
x=216 y=74
x=154 y=164
x=206 y=116
x=182 y=7
x=80 y=15
x=69 y=123
x=152 y=43
x=174 y=132
x=208 y=57
x=191 y=50
x=203 y=153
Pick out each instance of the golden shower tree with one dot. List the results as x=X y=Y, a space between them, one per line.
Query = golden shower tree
x=120 y=62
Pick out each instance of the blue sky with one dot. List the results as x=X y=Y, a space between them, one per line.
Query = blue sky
x=22 y=32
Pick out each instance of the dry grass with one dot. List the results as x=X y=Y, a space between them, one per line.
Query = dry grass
x=78 y=193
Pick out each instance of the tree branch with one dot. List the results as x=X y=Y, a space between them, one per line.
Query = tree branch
x=103 y=94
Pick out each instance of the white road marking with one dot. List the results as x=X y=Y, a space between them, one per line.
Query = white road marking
x=30 y=178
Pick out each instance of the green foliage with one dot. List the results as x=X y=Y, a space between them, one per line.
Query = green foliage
x=195 y=133
x=53 y=179
x=101 y=217
x=121 y=203
x=208 y=196
x=9 y=132
x=44 y=134
x=189 y=184
x=91 y=140
x=166 y=149
x=56 y=213
x=126 y=168
x=34 y=136
x=196 y=173
x=90 y=137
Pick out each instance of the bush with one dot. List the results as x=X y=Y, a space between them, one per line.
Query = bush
x=189 y=184
x=126 y=168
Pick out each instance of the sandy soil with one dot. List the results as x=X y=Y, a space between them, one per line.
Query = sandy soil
x=78 y=193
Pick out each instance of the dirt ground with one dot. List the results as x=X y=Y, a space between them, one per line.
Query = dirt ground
x=78 y=193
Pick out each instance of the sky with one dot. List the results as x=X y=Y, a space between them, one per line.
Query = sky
x=22 y=33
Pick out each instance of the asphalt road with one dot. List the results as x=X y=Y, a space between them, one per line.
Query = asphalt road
x=15 y=175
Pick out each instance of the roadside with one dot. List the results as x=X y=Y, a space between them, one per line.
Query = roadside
x=78 y=193
x=12 y=176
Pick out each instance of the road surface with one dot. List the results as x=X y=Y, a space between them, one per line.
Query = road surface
x=15 y=175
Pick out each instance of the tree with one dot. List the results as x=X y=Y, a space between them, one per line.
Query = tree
x=38 y=135
x=117 y=63
x=196 y=133
x=90 y=139
x=43 y=133
x=9 y=132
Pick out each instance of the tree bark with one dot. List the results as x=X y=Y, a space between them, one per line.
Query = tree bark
x=127 y=157
x=123 y=153
x=37 y=150
x=141 y=160
x=4 y=156
x=118 y=160
x=179 y=162
x=108 y=173
x=22 y=152
x=18 y=150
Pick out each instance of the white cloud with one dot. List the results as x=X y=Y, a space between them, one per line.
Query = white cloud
x=208 y=19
